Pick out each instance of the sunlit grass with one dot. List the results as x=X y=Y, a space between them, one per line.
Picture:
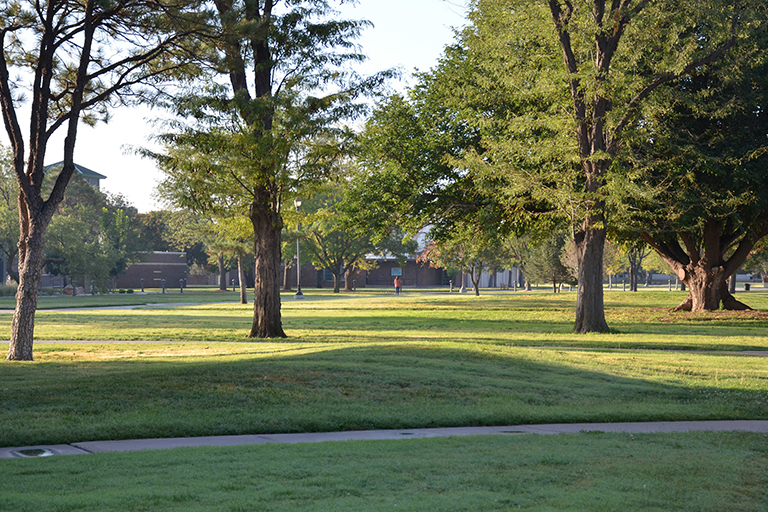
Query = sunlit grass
x=379 y=361
x=640 y=320
x=372 y=360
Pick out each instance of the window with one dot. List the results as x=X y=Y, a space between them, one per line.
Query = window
x=328 y=276
x=396 y=271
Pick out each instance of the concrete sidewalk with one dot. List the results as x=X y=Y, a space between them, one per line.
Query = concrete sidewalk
x=374 y=435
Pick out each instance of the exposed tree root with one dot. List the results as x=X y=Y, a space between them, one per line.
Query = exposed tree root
x=686 y=305
x=730 y=303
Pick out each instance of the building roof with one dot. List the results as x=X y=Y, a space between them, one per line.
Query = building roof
x=87 y=173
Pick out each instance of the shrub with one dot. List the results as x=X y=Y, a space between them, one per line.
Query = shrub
x=7 y=291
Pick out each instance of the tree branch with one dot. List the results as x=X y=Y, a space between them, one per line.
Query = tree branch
x=664 y=78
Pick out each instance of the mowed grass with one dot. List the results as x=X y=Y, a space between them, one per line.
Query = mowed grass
x=367 y=362
x=641 y=320
x=376 y=361
x=595 y=472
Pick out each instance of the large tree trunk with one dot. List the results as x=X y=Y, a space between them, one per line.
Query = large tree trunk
x=241 y=278
x=701 y=264
x=348 y=279
x=222 y=274
x=267 y=225
x=590 y=312
x=707 y=288
x=475 y=279
x=286 y=277
x=31 y=261
x=336 y=286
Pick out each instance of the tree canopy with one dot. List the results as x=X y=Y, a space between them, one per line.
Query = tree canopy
x=77 y=59
x=526 y=119
x=248 y=148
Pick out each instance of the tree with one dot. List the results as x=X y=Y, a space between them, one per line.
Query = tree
x=288 y=253
x=564 y=82
x=231 y=237
x=518 y=252
x=614 y=262
x=635 y=256
x=9 y=212
x=165 y=230
x=91 y=237
x=468 y=250
x=758 y=260
x=251 y=146
x=545 y=263
x=699 y=161
x=77 y=58
x=330 y=245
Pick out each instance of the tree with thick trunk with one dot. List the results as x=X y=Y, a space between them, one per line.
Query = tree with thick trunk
x=222 y=273
x=66 y=49
x=251 y=147
x=710 y=142
x=704 y=263
x=590 y=82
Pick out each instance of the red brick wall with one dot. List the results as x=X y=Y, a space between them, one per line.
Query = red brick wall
x=157 y=266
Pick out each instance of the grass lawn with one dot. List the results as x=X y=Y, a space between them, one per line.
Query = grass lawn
x=372 y=360
x=582 y=472
x=152 y=296
x=377 y=361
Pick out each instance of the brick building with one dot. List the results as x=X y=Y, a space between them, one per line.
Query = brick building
x=154 y=267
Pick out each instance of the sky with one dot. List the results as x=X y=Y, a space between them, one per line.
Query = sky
x=410 y=34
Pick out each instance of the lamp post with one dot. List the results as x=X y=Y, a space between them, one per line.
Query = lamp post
x=299 y=295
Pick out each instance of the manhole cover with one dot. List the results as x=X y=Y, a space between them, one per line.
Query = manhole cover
x=32 y=453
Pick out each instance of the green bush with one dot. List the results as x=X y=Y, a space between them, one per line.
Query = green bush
x=130 y=290
x=121 y=290
x=7 y=291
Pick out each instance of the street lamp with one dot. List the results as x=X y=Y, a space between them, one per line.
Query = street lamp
x=299 y=295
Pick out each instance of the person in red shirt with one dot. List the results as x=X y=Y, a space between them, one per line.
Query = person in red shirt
x=398 y=285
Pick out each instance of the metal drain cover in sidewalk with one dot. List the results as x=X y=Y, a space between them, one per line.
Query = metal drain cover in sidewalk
x=33 y=453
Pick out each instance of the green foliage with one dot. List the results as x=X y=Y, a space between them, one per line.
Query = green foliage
x=92 y=236
x=467 y=249
x=165 y=230
x=329 y=244
x=339 y=242
x=545 y=263
x=758 y=259
x=260 y=142
x=700 y=156
x=9 y=211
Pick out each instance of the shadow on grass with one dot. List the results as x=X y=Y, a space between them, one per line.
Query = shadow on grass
x=350 y=388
